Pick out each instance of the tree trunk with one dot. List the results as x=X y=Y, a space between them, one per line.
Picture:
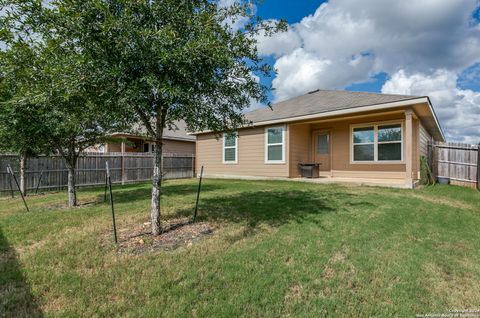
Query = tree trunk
x=23 y=161
x=72 y=191
x=157 y=188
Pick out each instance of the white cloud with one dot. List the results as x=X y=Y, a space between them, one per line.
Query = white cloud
x=302 y=71
x=280 y=43
x=458 y=109
x=416 y=36
x=349 y=41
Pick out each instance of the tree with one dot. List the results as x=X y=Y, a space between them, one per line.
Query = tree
x=169 y=60
x=181 y=61
x=19 y=130
x=63 y=98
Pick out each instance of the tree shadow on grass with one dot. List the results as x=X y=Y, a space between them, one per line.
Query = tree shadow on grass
x=273 y=208
x=16 y=299
x=125 y=195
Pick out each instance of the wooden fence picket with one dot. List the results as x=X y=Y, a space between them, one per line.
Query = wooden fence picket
x=457 y=161
x=126 y=168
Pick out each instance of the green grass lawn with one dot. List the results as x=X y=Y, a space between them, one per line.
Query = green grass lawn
x=279 y=249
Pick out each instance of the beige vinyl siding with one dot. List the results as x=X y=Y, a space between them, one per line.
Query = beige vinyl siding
x=425 y=138
x=415 y=150
x=129 y=146
x=169 y=146
x=113 y=147
x=251 y=155
x=340 y=144
x=179 y=147
x=299 y=147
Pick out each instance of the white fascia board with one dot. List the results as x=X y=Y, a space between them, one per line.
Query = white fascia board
x=347 y=111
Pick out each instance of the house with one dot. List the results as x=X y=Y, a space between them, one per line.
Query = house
x=354 y=136
x=176 y=141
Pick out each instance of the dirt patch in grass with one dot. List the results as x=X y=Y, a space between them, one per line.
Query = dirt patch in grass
x=292 y=293
x=176 y=233
x=63 y=205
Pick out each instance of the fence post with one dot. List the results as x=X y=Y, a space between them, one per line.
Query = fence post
x=435 y=159
x=122 y=170
x=49 y=171
x=478 y=167
x=106 y=183
x=193 y=167
x=10 y=179
x=122 y=162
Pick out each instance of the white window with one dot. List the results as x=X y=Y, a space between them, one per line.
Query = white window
x=275 y=144
x=377 y=143
x=230 y=150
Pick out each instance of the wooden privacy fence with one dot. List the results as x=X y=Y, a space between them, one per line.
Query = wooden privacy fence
x=52 y=172
x=456 y=161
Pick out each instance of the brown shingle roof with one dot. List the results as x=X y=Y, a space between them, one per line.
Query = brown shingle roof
x=321 y=101
x=178 y=132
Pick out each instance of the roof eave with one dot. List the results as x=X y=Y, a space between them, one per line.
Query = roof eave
x=358 y=109
x=139 y=136
x=436 y=119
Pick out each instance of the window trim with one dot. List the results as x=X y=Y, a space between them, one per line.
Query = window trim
x=230 y=147
x=375 y=126
x=283 y=127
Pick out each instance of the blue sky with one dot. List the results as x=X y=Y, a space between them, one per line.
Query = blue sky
x=419 y=47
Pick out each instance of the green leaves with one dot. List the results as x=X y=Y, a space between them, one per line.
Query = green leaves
x=54 y=96
x=180 y=58
x=90 y=67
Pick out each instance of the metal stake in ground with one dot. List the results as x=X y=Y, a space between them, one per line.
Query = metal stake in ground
x=198 y=194
x=18 y=186
x=111 y=203
x=39 y=180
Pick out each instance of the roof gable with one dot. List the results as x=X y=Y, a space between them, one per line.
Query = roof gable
x=177 y=131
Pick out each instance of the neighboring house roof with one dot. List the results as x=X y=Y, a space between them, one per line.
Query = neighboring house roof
x=178 y=132
x=322 y=101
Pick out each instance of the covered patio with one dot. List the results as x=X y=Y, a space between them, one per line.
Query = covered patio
x=388 y=183
x=379 y=149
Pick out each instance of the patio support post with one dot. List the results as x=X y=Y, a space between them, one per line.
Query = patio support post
x=408 y=147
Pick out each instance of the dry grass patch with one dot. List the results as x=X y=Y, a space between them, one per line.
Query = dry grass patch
x=457 y=289
x=293 y=293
